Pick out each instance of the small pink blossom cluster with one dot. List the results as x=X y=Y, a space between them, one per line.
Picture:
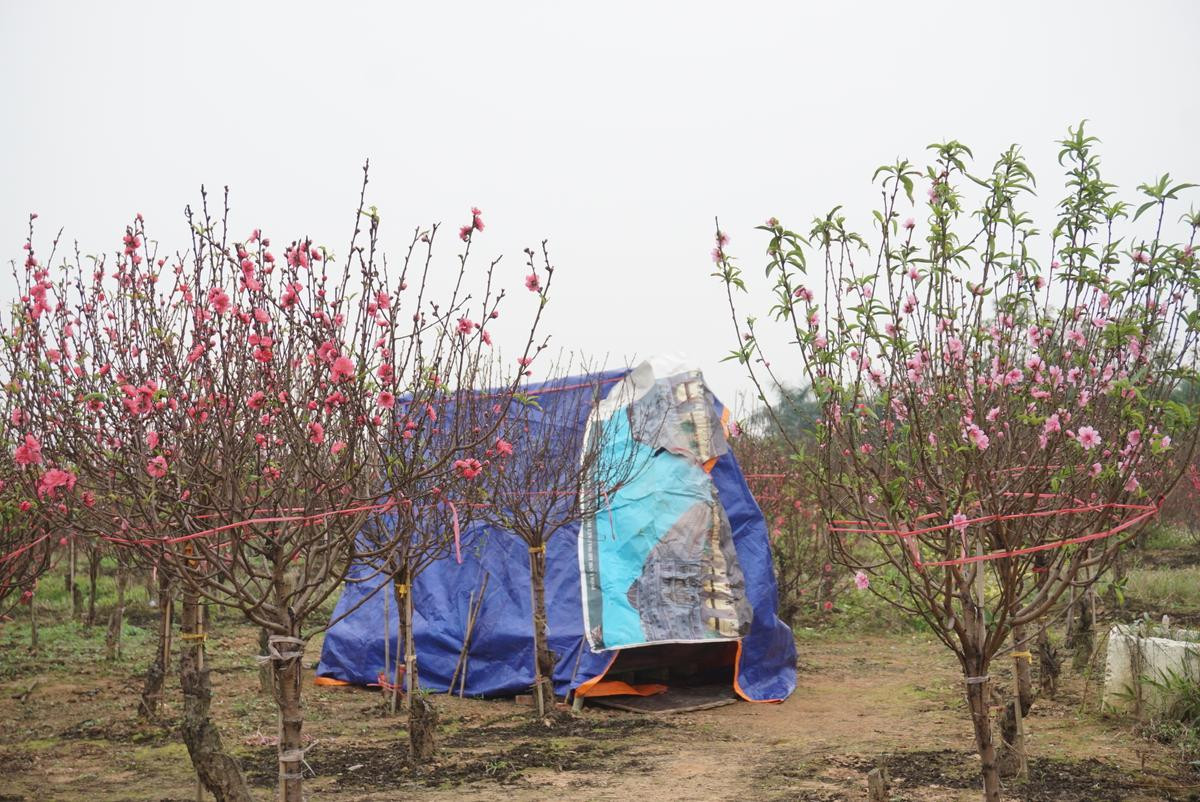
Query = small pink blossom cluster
x=476 y=224
x=468 y=468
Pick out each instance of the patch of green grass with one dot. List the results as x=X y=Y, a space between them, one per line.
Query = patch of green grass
x=62 y=646
x=52 y=593
x=1165 y=589
x=174 y=751
x=254 y=707
x=858 y=611
x=39 y=744
x=1169 y=536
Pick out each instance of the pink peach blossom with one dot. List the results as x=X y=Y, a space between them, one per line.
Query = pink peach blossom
x=53 y=479
x=468 y=468
x=316 y=433
x=342 y=369
x=1088 y=438
x=29 y=452
x=978 y=438
x=218 y=300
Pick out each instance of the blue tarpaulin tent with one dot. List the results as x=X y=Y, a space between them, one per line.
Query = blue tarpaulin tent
x=679 y=555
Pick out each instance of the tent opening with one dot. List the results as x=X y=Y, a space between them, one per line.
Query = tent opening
x=667 y=677
x=676 y=664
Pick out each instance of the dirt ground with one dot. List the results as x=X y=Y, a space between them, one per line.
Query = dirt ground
x=860 y=700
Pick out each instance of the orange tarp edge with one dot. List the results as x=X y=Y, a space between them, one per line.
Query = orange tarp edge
x=614 y=687
x=330 y=682
x=584 y=687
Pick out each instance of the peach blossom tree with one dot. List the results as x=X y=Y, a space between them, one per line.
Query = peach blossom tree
x=237 y=412
x=999 y=405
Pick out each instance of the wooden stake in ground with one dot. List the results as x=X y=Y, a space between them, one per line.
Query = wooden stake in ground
x=879 y=783
x=1020 y=652
x=473 y=608
x=404 y=638
x=387 y=648
x=462 y=652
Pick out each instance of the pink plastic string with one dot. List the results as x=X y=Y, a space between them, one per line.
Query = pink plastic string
x=457 y=547
x=12 y=555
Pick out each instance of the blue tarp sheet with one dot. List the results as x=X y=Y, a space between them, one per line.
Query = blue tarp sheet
x=501 y=654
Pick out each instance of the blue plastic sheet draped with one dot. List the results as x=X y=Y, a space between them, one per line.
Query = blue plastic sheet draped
x=501 y=652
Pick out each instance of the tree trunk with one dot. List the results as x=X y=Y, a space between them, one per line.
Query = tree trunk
x=1012 y=725
x=151 y=700
x=217 y=771
x=286 y=653
x=266 y=674
x=116 y=618
x=69 y=577
x=975 y=665
x=825 y=588
x=1049 y=665
x=1113 y=596
x=93 y=576
x=977 y=700
x=1083 y=635
x=543 y=658
x=33 y=626
x=422 y=727
x=422 y=716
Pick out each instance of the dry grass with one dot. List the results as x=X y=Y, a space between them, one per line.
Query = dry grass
x=1165 y=589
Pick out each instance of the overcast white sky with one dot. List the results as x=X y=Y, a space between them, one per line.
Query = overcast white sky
x=617 y=130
